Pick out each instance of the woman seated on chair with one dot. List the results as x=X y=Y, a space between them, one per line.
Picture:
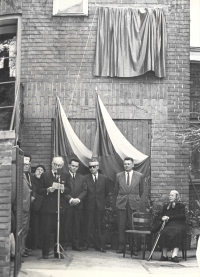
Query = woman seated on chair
x=173 y=213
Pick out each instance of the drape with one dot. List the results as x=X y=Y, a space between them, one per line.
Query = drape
x=130 y=42
x=67 y=143
x=111 y=147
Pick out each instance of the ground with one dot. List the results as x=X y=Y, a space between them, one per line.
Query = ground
x=95 y=264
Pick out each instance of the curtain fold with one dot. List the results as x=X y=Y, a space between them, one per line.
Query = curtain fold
x=111 y=147
x=67 y=143
x=130 y=42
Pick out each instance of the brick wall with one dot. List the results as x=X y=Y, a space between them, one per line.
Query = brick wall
x=57 y=58
x=6 y=144
x=10 y=6
x=37 y=141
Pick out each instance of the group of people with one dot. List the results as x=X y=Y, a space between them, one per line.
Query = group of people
x=83 y=198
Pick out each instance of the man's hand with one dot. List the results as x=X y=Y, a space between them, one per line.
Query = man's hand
x=165 y=218
x=74 y=201
x=62 y=188
x=50 y=189
x=32 y=199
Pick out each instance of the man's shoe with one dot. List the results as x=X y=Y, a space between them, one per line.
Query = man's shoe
x=120 y=251
x=28 y=250
x=85 y=248
x=24 y=254
x=100 y=249
x=163 y=259
x=76 y=248
x=45 y=257
x=175 y=259
x=135 y=253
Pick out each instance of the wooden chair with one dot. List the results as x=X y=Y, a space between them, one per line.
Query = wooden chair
x=140 y=227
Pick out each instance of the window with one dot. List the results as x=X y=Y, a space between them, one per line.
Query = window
x=194 y=30
x=10 y=57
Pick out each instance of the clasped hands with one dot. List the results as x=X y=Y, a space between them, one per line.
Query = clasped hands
x=74 y=201
x=165 y=218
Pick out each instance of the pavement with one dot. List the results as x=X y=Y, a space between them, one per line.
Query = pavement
x=96 y=264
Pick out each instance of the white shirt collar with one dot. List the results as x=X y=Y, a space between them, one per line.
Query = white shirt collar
x=130 y=172
x=72 y=174
x=95 y=175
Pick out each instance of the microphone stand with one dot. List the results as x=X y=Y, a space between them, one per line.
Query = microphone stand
x=58 y=224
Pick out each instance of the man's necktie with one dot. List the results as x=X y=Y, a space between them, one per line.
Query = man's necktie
x=73 y=176
x=127 y=180
x=95 y=180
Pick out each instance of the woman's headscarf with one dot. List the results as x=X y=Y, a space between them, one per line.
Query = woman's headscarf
x=41 y=167
x=178 y=198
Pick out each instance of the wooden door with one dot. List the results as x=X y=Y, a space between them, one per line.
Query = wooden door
x=137 y=132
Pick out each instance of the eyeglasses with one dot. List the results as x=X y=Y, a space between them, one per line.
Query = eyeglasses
x=58 y=165
x=92 y=166
x=27 y=164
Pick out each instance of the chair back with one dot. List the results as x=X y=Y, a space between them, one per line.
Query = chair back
x=141 y=221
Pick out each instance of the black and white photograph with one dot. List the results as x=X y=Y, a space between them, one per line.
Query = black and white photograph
x=99 y=138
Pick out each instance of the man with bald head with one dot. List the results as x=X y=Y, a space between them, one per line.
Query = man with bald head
x=49 y=207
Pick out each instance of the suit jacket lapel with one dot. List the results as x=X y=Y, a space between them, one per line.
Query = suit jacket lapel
x=27 y=181
x=123 y=180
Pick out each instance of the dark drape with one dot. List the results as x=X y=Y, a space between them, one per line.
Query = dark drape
x=130 y=42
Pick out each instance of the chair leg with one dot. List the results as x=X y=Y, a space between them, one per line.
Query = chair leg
x=125 y=238
x=144 y=247
x=185 y=251
x=151 y=239
x=131 y=244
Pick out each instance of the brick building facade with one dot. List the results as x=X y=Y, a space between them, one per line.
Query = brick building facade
x=57 y=57
x=7 y=139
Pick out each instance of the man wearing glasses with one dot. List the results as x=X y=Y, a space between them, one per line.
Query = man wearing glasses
x=94 y=205
x=74 y=204
x=50 y=181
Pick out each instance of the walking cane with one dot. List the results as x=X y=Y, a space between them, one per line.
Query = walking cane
x=156 y=241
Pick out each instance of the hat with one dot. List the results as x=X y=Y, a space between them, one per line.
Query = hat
x=41 y=167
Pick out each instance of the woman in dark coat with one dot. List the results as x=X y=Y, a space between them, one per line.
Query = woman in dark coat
x=35 y=208
x=175 y=228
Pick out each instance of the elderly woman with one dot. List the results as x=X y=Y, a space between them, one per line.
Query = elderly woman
x=173 y=213
x=35 y=208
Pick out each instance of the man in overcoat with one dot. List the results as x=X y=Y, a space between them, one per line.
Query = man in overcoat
x=128 y=188
x=94 y=205
x=49 y=208
x=74 y=204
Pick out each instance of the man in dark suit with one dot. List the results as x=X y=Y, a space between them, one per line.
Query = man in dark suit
x=94 y=204
x=74 y=203
x=49 y=208
x=128 y=188
x=27 y=199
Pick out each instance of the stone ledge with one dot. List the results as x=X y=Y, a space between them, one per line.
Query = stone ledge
x=7 y=134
